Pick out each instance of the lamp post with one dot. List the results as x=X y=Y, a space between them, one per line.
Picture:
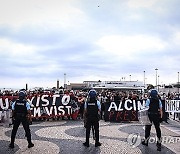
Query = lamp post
x=156 y=77
x=26 y=86
x=144 y=79
x=178 y=83
x=57 y=84
x=158 y=83
x=130 y=77
x=65 y=81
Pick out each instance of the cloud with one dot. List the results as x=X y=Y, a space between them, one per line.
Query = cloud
x=41 y=40
x=130 y=45
x=56 y=14
x=14 y=49
x=141 y=3
x=176 y=37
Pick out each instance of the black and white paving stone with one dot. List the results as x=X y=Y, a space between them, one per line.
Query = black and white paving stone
x=66 y=137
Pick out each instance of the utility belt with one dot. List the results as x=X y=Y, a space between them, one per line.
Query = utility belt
x=20 y=115
x=95 y=117
x=91 y=116
x=153 y=113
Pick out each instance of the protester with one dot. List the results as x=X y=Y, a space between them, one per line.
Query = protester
x=165 y=114
x=74 y=105
x=105 y=97
x=81 y=101
x=103 y=100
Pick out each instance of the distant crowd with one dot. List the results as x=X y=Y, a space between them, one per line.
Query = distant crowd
x=104 y=96
x=110 y=95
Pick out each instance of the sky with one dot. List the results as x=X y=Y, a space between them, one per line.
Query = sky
x=89 y=40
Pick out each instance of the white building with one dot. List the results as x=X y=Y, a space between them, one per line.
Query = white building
x=121 y=85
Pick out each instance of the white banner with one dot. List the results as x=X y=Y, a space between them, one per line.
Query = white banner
x=172 y=106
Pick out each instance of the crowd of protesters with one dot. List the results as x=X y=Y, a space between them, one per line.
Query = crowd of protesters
x=104 y=96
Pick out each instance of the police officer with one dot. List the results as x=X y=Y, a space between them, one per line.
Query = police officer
x=92 y=108
x=155 y=116
x=21 y=114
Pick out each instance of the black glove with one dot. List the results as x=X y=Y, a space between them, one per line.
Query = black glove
x=160 y=120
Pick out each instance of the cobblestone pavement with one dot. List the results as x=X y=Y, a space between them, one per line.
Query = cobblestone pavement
x=66 y=137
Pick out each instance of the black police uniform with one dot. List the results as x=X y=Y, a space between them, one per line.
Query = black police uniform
x=20 y=116
x=154 y=118
x=92 y=121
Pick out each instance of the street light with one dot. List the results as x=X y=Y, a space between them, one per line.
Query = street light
x=156 y=77
x=158 y=82
x=144 y=78
x=130 y=77
x=123 y=78
x=178 y=83
x=65 y=81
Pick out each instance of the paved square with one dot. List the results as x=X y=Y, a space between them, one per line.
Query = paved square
x=66 y=137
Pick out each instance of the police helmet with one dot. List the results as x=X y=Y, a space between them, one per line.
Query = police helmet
x=153 y=93
x=92 y=93
x=22 y=94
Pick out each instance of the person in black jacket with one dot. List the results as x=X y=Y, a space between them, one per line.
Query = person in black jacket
x=92 y=108
x=165 y=114
x=21 y=114
x=155 y=116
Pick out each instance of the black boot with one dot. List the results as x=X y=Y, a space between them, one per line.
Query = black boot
x=86 y=144
x=145 y=142
x=94 y=138
x=11 y=145
x=30 y=145
x=97 y=144
x=158 y=146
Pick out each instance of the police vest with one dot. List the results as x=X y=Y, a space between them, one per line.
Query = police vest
x=20 y=107
x=154 y=105
x=92 y=109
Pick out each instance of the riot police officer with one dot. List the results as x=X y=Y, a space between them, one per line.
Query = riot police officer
x=155 y=116
x=92 y=108
x=21 y=114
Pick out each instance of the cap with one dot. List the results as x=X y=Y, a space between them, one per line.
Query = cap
x=153 y=93
x=22 y=94
x=92 y=93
